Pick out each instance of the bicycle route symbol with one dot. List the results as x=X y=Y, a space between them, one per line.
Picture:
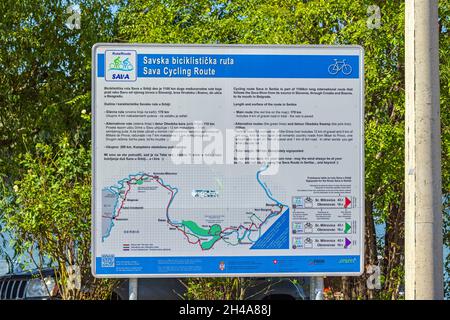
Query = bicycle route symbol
x=120 y=65
x=339 y=65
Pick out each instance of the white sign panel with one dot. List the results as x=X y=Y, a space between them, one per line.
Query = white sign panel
x=227 y=160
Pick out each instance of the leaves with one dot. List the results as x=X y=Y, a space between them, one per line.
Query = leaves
x=318 y=22
x=45 y=78
x=45 y=96
x=45 y=136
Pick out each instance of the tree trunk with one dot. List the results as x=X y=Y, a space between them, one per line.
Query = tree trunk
x=394 y=248
x=371 y=254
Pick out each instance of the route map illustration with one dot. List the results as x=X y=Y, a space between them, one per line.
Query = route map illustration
x=194 y=232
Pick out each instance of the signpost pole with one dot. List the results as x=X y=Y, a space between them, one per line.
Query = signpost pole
x=133 y=289
x=423 y=215
x=316 y=288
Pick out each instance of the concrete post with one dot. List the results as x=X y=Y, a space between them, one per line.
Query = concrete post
x=133 y=289
x=316 y=288
x=423 y=203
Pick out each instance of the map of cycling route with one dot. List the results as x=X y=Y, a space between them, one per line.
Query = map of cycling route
x=205 y=238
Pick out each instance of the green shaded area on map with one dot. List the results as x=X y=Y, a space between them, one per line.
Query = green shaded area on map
x=214 y=232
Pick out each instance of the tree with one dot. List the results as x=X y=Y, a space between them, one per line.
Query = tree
x=323 y=22
x=45 y=78
x=44 y=142
x=45 y=85
x=49 y=215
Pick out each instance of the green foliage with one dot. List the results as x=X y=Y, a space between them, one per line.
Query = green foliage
x=384 y=165
x=447 y=245
x=319 y=22
x=45 y=85
x=44 y=143
x=49 y=214
x=216 y=288
x=228 y=288
x=444 y=70
x=45 y=78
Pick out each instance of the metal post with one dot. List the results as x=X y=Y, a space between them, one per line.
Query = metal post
x=133 y=289
x=316 y=288
x=423 y=202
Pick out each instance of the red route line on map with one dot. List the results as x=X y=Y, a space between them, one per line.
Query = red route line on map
x=156 y=178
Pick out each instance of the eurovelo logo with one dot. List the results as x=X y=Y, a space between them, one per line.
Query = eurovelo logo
x=120 y=65
x=347 y=261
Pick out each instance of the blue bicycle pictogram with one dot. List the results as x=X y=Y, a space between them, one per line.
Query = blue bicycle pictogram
x=340 y=65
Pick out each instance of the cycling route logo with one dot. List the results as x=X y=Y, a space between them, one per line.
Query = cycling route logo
x=121 y=65
x=340 y=66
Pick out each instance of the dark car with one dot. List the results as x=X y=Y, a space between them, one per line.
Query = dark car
x=29 y=285
x=26 y=285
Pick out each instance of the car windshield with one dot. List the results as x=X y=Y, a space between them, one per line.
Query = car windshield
x=7 y=264
x=4 y=268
